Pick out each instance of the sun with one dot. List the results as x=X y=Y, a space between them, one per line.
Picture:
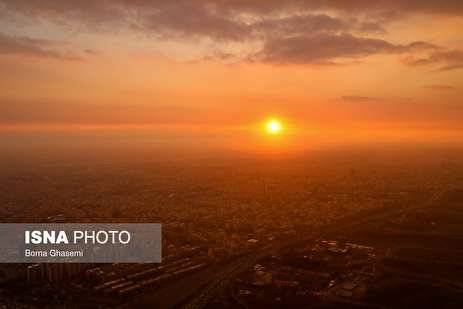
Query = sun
x=273 y=127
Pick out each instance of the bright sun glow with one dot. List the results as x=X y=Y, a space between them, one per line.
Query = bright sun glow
x=273 y=126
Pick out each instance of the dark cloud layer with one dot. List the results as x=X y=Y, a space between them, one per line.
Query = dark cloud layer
x=452 y=7
x=294 y=31
x=107 y=9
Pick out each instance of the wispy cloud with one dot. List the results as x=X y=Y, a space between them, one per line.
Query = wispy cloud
x=440 y=87
x=20 y=45
x=360 y=99
x=444 y=60
x=329 y=48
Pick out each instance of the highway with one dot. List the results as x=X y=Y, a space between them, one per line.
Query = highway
x=201 y=299
x=197 y=290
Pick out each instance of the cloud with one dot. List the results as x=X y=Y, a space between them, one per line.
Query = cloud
x=328 y=48
x=294 y=31
x=439 y=57
x=444 y=59
x=86 y=11
x=451 y=7
x=190 y=19
x=450 y=67
x=227 y=20
x=440 y=87
x=300 y=24
x=19 y=45
x=208 y=22
x=359 y=99
x=115 y=9
x=57 y=112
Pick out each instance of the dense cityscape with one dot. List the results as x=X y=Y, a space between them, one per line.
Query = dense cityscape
x=252 y=234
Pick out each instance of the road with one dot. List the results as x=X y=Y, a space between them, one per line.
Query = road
x=197 y=290
x=201 y=299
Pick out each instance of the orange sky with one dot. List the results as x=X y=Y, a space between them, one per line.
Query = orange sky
x=333 y=71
